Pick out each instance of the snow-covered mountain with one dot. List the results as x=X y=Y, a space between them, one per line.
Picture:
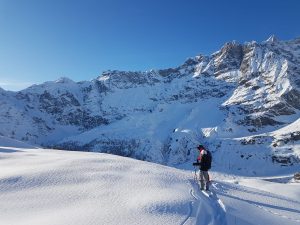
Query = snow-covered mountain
x=242 y=102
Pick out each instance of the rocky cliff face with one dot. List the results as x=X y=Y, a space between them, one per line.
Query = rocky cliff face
x=236 y=97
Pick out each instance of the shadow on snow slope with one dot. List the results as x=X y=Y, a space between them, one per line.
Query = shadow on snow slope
x=205 y=208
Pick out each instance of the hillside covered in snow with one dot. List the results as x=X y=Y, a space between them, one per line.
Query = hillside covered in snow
x=242 y=102
x=42 y=186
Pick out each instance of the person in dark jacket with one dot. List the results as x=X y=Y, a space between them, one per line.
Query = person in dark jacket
x=204 y=159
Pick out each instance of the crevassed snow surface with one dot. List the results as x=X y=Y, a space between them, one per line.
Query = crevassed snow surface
x=39 y=186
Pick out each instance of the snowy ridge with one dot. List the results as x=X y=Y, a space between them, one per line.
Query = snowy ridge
x=240 y=101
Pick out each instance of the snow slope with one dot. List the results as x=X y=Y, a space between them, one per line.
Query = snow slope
x=39 y=186
x=6 y=142
x=57 y=187
x=254 y=201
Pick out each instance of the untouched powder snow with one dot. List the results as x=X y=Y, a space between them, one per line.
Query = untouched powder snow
x=40 y=186
x=46 y=187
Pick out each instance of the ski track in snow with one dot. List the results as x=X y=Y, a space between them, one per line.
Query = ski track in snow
x=274 y=204
x=205 y=209
x=191 y=215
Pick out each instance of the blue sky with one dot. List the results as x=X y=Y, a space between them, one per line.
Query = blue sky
x=43 y=40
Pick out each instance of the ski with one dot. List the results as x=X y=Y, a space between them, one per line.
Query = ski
x=207 y=193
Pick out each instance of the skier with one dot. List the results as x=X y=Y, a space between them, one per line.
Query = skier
x=204 y=161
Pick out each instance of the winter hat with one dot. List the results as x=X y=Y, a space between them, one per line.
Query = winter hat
x=200 y=147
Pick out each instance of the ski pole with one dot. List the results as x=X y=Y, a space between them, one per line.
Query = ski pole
x=195 y=175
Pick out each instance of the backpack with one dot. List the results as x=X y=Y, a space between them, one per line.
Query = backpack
x=206 y=161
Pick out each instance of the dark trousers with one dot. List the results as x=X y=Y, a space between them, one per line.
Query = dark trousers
x=204 y=180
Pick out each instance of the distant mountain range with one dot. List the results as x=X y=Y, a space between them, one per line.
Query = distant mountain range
x=242 y=102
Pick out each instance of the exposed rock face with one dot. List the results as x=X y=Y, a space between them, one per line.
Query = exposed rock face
x=160 y=115
x=297 y=176
x=229 y=58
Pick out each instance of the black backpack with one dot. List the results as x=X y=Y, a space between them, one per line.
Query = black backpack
x=206 y=161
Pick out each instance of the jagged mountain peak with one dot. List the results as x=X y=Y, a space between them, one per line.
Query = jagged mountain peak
x=120 y=74
x=231 y=44
x=64 y=80
x=272 y=39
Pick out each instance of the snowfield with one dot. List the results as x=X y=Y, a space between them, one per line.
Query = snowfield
x=39 y=186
